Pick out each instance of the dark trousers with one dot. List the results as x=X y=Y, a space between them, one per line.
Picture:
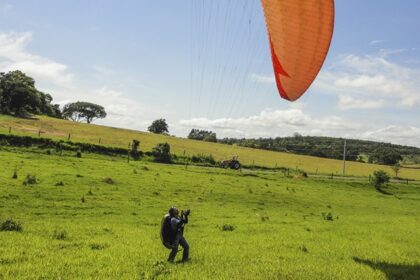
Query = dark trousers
x=184 y=244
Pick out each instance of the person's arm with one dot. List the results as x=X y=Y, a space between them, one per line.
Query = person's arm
x=185 y=218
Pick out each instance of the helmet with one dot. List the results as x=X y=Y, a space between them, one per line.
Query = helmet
x=172 y=211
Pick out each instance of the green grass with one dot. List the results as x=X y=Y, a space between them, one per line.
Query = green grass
x=78 y=224
x=59 y=129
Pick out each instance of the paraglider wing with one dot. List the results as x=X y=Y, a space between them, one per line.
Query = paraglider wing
x=300 y=33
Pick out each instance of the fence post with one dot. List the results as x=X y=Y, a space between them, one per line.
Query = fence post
x=407 y=181
x=99 y=140
x=128 y=152
x=10 y=129
x=39 y=133
x=68 y=137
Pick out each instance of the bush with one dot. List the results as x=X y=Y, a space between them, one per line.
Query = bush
x=10 y=225
x=79 y=153
x=109 y=181
x=15 y=175
x=203 y=159
x=60 y=235
x=162 y=153
x=97 y=246
x=59 y=146
x=380 y=178
x=30 y=180
x=135 y=153
x=228 y=228
x=328 y=216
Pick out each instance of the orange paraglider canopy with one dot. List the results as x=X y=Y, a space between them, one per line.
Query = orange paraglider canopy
x=300 y=33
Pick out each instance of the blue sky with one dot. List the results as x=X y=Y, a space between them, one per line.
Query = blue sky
x=202 y=63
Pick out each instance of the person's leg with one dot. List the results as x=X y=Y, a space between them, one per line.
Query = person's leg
x=184 y=244
x=174 y=251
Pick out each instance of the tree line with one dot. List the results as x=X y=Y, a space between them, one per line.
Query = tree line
x=329 y=147
x=20 y=97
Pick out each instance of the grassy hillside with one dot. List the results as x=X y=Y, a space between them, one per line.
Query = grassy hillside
x=59 y=129
x=76 y=225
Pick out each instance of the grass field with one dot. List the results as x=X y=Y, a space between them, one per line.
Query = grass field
x=59 y=129
x=92 y=228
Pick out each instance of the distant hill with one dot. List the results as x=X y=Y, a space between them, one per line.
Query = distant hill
x=328 y=147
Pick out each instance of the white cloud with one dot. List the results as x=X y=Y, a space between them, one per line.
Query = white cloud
x=407 y=135
x=388 y=52
x=14 y=56
x=271 y=123
x=263 y=79
x=376 y=42
x=373 y=78
x=56 y=78
x=347 y=102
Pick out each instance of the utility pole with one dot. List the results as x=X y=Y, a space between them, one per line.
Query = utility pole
x=344 y=158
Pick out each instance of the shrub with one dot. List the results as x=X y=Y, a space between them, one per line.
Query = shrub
x=201 y=158
x=265 y=218
x=162 y=153
x=228 y=228
x=304 y=249
x=79 y=153
x=135 y=152
x=109 y=181
x=380 y=178
x=10 y=225
x=60 y=235
x=3 y=142
x=97 y=246
x=30 y=180
x=15 y=175
x=59 y=146
x=328 y=216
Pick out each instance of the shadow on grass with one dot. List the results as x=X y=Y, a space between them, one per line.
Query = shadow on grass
x=393 y=271
x=382 y=191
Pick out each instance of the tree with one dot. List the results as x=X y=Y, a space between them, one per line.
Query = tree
x=135 y=150
x=19 y=96
x=396 y=168
x=87 y=111
x=159 y=127
x=203 y=135
x=385 y=156
x=380 y=178
x=162 y=152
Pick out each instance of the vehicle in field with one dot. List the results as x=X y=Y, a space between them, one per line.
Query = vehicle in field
x=232 y=163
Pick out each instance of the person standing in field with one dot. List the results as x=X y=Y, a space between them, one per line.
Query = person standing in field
x=173 y=233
